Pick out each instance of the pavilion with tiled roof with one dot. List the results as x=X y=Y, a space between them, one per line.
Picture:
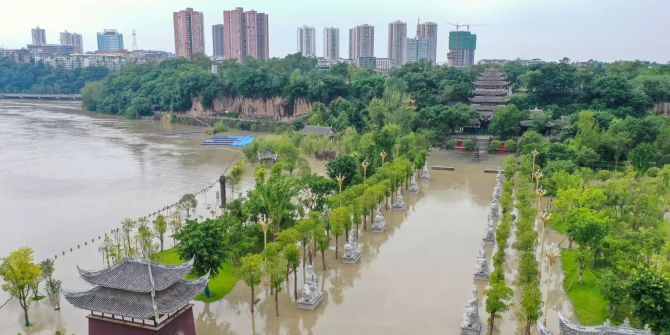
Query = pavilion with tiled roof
x=138 y=296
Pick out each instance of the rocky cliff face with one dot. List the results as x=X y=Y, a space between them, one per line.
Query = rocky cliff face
x=275 y=108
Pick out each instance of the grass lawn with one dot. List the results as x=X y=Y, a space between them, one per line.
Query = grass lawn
x=559 y=227
x=219 y=286
x=590 y=305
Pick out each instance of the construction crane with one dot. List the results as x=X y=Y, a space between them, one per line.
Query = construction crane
x=458 y=26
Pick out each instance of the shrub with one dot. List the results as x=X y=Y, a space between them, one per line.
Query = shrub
x=219 y=127
x=604 y=175
x=494 y=145
x=653 y=172
x=469 y=145
x=451 y=143
x=511 y=145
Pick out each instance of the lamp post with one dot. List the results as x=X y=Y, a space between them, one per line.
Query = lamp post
x=397 y=149
x=382 y=155
x=340 y=179
x=544 y=218
x=365 y=165
x=265 y=223
x=552 y=253
x=534 y=153
x=537 y=175
x=540 y=193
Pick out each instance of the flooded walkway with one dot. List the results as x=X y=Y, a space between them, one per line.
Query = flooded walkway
x=416 y=277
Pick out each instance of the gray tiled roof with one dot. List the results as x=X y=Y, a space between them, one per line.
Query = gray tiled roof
x=137 y=305
x=133 y=275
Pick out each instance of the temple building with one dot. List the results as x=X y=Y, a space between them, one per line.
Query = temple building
x=491 y=92
x=139 y=297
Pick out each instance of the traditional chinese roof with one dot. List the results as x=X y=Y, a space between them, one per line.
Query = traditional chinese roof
x=489 y=99
x=133 y=275
x=318 y=131
x=137 y=305
x=567 y=327
x=491 y=83
x=489 y=108
x=489 y=91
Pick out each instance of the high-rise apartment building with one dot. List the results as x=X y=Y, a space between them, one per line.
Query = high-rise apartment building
x=218 y=41
x=39 y=36
x=189 y=33
x=331 y=43
x=428 y=31
x=397 y=42
x=462 y=45
x=110 y=40
x=246 y=34
x=73 y=39
x=418 y=48
x=362 y=41
x=307 y=41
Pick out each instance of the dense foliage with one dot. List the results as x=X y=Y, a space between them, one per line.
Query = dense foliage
x=41 y=78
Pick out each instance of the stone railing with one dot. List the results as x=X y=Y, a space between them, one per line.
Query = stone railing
x=569 y=328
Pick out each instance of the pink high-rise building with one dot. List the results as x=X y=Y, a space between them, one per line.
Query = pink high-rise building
x=189 y=33
x=246 y=34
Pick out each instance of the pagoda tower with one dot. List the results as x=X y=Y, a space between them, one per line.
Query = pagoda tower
x=139 y=297
x=491 y=93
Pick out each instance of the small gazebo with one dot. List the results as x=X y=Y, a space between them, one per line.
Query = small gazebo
x=267 y=156
x=138 y=296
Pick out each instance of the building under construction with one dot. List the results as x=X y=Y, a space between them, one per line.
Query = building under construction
x=491 y=92
x=462 y=45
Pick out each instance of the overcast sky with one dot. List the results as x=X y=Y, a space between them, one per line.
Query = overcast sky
x=548 y=29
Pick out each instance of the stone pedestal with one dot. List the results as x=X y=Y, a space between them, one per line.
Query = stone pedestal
x=471 y=324
x=352 y=254
x=425 y=174
x=399 y=203
x=489 y=235
x=379 y=224
x=311 y=294
x=482 y=271
x=413 y=185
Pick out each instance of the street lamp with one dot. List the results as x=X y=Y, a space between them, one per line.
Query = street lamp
x=340 y=179
x=534 y=153
x=540 y=193
x=552 y=253
x=365 y=165
x=397 y=149
x=382 y=155
x=265 y=223
x=537 y=175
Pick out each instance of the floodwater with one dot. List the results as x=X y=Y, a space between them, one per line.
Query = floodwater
x=68 y=176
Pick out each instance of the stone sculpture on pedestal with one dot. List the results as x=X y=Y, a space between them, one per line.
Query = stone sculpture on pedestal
x=489 y=234
x=352 y=253
x=311 y=294
x=471 y=324
x=482 y=270
x=399 y=203
x=413 y=185
x=425 y=174
x=379 y=224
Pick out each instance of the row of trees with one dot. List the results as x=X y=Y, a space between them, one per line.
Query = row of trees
x=499 y=294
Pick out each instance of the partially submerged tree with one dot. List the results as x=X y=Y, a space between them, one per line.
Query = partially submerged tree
x=251 y=272
x=203 y=241
x=160 y=227
x=187 y=203
x=19 y=274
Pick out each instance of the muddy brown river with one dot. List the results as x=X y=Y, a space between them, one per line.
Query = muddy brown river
x=68 y=176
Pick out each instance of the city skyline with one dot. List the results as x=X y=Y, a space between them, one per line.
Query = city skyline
x=518 y=28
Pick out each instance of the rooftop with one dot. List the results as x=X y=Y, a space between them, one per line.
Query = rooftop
x=133 y=275
x=318 y=130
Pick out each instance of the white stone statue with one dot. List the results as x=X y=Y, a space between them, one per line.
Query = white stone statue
x=379 y=223
x=399 y=202
x=311 y=294
x=413 y=185
x=425 y=174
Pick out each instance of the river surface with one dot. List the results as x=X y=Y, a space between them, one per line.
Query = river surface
x=67 y=177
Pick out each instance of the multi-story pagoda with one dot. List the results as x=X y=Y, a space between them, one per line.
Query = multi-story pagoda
x=491 y=93
x=139 y=297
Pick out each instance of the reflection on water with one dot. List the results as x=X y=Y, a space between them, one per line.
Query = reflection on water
x=417 y=275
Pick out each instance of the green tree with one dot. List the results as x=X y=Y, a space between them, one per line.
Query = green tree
x=160 y=227
x=251 y=272
x=275 y=268
x=649 y=291
x=292 y=255
x=322 y=242
x=531 y=305
x=339 y=218
x=343 y=166
x=175 y=222
x=187 y=203
x=128 y=225
x=506 y=121
x=19 y=274
x=235 y=176
x=205 y=243
x=497 y=301
x=643 y=157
